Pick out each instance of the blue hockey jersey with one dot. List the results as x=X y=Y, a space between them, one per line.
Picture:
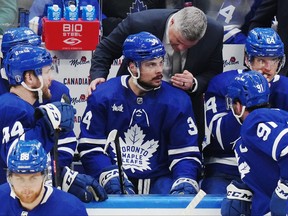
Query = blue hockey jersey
x=222 y=128
x=264 y=136
x=55 y=202
x=158 y=135
x=67 y=142
x=17 y=118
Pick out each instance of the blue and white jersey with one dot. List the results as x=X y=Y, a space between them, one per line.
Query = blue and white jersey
x=279 y=92
x=222 y=128
x=264 y=136
x=67 y=142
x=157 y=131
x=17 y=118
x=234 y=15
x=54 y=202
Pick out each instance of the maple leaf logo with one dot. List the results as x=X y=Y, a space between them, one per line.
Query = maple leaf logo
x=136 y=153
x=243 y=168
x=138 y=5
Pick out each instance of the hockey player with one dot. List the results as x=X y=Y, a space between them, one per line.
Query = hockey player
x=23 y=35
x=264 y=52
x=29 y=75
x=27 y=193
x=261 y=151
x=155 y=123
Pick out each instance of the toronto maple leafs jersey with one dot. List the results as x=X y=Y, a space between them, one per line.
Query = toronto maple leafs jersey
x=261 y=154
x=233 y=14
x=222 y=128
x=17 y=118
x=158 y=135
x=55 y=202
x=67 y=142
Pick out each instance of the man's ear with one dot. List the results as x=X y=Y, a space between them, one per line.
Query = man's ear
x=238 y=108
x=133 y=68
x=28 y=76
x=246 y=61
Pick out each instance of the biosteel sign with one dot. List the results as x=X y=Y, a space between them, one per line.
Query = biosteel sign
x=70 y=35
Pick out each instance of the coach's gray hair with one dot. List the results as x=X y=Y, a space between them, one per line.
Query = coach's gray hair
x=191 y=22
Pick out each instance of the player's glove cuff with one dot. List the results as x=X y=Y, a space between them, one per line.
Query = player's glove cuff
x=282 y=189
x=239 y=191
x=238 y=201
x=184 y=186
x=110 y=180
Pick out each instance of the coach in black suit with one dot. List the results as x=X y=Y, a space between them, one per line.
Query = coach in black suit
x=265 y=14
x=201 y=53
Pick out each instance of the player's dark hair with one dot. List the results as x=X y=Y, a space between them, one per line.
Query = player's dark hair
x=265 y=105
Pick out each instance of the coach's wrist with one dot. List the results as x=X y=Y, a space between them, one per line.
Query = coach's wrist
x=194 y=86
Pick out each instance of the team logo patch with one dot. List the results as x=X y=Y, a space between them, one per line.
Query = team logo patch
x=136 y=151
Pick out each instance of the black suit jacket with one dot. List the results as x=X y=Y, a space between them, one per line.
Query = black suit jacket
x=264 y=15
x=204 y=60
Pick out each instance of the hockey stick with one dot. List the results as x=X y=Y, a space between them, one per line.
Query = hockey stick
x=56 y=168
x=114 y=137
x=195 y=201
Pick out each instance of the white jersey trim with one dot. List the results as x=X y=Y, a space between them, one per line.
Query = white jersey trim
x=227 y=161
x=174 y=162
x=183 y=150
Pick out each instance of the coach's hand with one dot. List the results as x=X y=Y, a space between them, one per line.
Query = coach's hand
x=93 y=84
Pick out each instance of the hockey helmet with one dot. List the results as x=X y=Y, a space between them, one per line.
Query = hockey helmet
x=22 y=58
x=264 y=42
x=27 y=157
x=251 y=88
x=20 y=35
x=143 y=46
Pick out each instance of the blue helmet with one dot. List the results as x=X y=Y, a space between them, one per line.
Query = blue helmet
x=251 y=88
x=27 y=157
x=264 y=42
x=21 y=35
x=142 y=46
x=22 y=58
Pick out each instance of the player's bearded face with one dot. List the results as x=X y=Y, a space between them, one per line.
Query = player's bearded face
x=47 y=74
x=27 y=187
x=151 y=73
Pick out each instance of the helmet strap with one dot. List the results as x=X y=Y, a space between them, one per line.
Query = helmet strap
x=39 y=90
x=238 y=117
x=135 y=78
x=281 y=63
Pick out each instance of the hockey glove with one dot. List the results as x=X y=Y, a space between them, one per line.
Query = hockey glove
x=110 y=180
x=57 y=115
x=184 y=186
x=85 y=187
x=238 y=201
x=279 y=200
